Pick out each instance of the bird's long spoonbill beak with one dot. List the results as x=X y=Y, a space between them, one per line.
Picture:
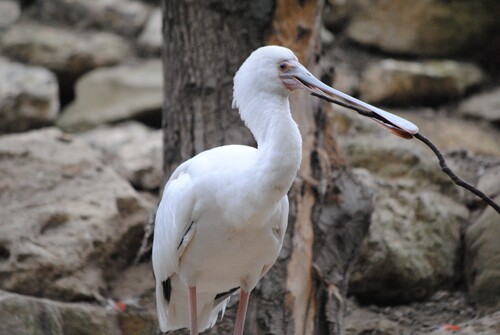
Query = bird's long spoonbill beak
x=297 y=72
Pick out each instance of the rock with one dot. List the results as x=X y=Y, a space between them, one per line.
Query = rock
x=486 y=325
x=22 y=315
x=138 y=323
x=394 y=82
x=424 y=28
x=361 y=322
x=389 y=156
x=451 y=133
x=482 y=269
x=115 y=94
x=28 y=97
x=336 y=13
x=124 y=17
x=69 y=54
x=412 y=247
x=141 y=161
x=326 y=37
x=489 y=182
x=109 y=139
x=485 y=105
x=151 y=39
x=345 y=79
x=73 y=223
x=134 y=150
x=136 y=282
x=10 y=11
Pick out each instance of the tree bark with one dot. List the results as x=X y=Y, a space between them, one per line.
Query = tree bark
x=204 y=44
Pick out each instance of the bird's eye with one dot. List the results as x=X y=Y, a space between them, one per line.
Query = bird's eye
x=283 y=67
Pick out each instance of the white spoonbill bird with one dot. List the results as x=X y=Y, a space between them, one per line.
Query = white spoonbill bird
x=221 y=221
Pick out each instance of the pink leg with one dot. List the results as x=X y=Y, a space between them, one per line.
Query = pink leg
x=242 y=312
x=193 y=312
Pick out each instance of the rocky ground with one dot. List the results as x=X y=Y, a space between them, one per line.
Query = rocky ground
x=80 y=163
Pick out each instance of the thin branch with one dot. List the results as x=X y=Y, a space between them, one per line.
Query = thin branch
x=453 y=176
x=426 y=141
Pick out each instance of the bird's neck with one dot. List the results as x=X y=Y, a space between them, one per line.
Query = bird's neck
x=279 y=144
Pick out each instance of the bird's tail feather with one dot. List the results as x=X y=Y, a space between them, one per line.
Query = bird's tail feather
x=161 y=307
x=174 y=315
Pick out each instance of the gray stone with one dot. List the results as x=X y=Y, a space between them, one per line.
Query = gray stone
x=124 y=17
x=485 y=325
x=151 y=39
x=429 y=28
x=28 y=97
x=394 y=82
x=389 y=156
x=109 y=139
x=67 y=53
x=141 y=161
x=22 y=315
x=452 y=133
x=10 y=11
x=485 y=105
x=412 y=247
x=345 y=79
x=335 y=14
x=134 y=150
x=482 y=267
x=489 y=181
x=115 y=94
x=68 y=223
x=362 y=322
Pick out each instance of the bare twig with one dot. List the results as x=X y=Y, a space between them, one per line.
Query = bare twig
x=426 y=141
x=453 y=176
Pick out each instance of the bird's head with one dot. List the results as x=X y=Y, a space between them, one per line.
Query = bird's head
x=276 y=71
x=262 y=72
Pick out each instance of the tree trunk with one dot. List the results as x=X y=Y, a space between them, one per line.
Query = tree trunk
x=204 y=44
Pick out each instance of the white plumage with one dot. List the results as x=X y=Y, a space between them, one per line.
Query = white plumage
x=221 y=222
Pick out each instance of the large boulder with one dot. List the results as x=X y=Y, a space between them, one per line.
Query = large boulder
x=115 y=94
x=391 y=157
x=22 y=315
x=28 y=97
x=109 y=139
x=141 y=161
x=150 y=40
x=429 y=28
x=134 y=150
x=448 y=132
x=489 y=181
x=412 y=248
x=125 y=17
x=67 y=53
x=482 y=250
x=10 y=11
x=395 y=82
x=485 y=106
x=68 y=222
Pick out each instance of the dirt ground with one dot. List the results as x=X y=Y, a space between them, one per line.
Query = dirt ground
x=444 y=313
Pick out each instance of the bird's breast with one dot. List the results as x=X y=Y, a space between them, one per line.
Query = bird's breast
x=223 y=252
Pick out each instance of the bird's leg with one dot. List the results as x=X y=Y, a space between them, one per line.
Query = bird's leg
x=193 y=311
x=242 y=312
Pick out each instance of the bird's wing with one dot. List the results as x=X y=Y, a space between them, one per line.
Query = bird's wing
x=174 y=218
x=173 y=224
x=173 y=230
